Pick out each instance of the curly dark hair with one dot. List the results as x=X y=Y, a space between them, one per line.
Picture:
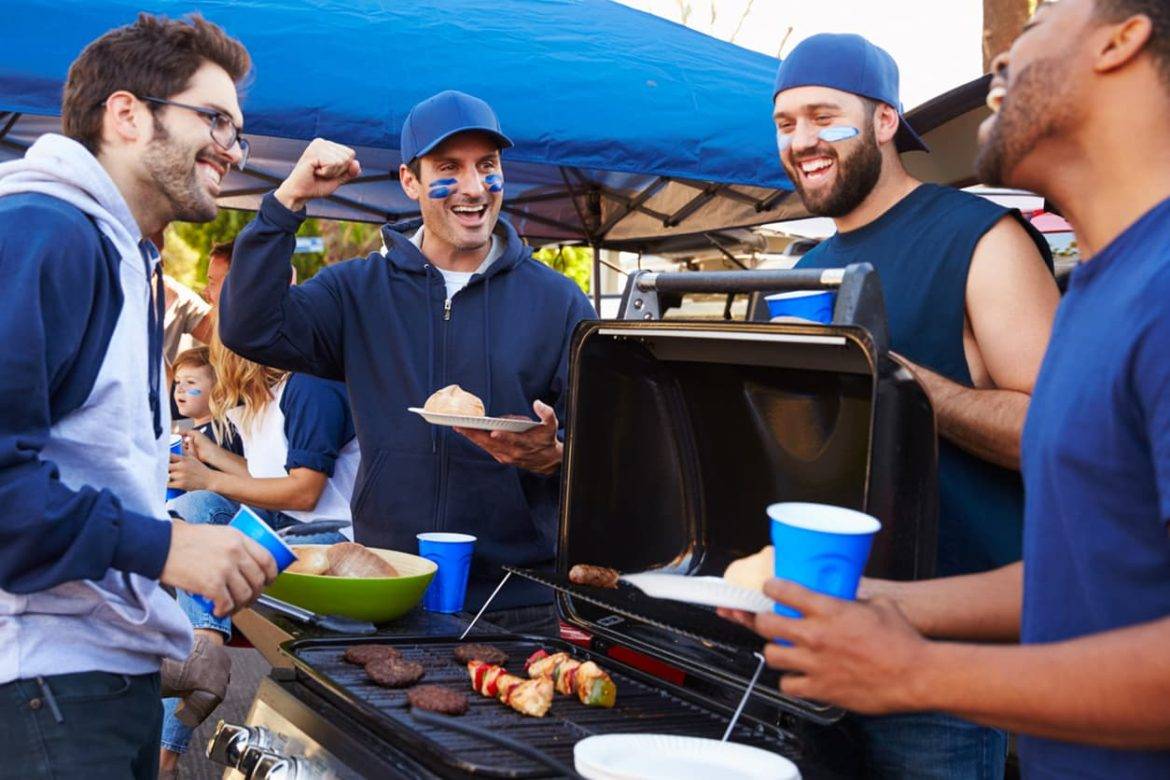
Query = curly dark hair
x=155 y=57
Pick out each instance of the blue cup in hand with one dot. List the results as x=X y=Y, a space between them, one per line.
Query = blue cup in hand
x=176 y=449
x=250 y=525
x=822 y=547
x=452 y=554
x=812 y=305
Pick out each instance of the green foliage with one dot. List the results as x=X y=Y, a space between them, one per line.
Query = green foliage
x=186 y=246
x=575 y=262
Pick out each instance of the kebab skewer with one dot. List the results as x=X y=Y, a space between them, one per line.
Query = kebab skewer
x=529 y=697
x=588 y=681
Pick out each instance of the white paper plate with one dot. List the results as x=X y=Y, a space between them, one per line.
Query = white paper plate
x=710 y=591
x=479 y=423
x=663 y=756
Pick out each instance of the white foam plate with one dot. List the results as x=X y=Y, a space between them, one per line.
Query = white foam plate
x=709 y=591
x=663 y=756
x=479 y=423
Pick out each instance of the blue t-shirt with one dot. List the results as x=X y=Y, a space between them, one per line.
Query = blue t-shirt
x=317 y=422
x=921 y=249
x=1096 y=461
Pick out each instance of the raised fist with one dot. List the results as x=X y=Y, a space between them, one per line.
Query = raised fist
x=324 y=166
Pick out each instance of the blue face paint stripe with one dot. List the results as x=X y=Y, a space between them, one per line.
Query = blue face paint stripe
x=829 y=134
x=194 y=392
x=441 y=188
x=494 y=182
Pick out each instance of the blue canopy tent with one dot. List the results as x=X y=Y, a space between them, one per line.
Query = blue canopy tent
x=629 y=129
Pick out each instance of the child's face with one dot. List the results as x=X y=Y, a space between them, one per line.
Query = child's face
x=193 y=391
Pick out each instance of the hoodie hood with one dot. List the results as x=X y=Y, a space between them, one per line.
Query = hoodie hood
x=404 y=255
x=64 y=169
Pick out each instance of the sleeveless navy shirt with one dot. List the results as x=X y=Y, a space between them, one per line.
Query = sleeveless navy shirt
x=922 y=251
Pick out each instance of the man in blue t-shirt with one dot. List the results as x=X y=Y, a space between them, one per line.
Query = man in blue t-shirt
x=970 y=299
x=1088 y=689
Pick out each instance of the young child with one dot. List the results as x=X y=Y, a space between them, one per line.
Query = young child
x=194 y=380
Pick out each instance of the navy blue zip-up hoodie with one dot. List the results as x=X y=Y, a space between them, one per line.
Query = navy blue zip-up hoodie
x=381 y=325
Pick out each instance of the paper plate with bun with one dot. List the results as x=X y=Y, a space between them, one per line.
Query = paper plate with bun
x=454 y=407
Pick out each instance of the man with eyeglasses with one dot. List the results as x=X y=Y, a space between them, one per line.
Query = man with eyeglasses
x=151 y=125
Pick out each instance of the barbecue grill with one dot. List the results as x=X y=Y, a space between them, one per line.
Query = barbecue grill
x=679 y=434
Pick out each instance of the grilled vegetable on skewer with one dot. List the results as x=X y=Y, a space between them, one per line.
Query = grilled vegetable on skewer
x=528 y=697
x=587 y=680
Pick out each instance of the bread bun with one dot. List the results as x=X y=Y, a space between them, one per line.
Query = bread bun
x=349 y=559
x=753 y=571
x=310 y=560
x=453 y=399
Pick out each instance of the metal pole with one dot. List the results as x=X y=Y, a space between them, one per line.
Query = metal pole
x=596 y=278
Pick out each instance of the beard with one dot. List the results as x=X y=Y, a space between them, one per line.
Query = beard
x=1037 y=107
x=857 y=175
x=175 y=177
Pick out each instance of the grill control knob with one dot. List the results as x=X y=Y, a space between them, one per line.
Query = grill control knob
x=271 y=766
x=230 y=743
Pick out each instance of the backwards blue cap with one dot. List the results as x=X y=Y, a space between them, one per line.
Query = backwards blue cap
x=441 y=116
x=852 y=64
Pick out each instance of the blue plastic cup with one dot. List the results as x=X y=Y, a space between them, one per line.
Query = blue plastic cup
x=822 y=547
x=452 y=553
x=250 y=525
x=813 y=305
x=176 y=449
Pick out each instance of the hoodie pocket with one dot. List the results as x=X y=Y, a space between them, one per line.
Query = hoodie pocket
x=395 y=500
x=485 y=498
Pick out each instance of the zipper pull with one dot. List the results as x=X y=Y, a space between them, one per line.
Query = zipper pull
x=447 y=310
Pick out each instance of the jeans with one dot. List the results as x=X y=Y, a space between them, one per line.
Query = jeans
x=205 y=507
x=931 y=746
x=92 y=725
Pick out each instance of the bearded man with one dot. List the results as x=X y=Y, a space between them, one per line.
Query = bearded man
x=970 y=298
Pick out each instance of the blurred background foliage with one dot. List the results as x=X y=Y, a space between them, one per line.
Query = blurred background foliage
x=185 y=247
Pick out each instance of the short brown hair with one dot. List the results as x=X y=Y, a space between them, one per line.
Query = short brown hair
x=224 y=250
x=154 y=57
x=1158 y=12
x=196 y=357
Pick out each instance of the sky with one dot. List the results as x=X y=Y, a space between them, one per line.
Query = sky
x=937 y=43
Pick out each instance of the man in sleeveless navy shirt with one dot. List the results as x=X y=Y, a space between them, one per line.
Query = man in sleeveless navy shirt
x=1085 y=118
x=970 y=298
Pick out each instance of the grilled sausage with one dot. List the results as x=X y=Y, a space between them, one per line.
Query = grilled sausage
x=595 y=576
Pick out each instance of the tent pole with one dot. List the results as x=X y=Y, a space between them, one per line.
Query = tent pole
x=596 y=277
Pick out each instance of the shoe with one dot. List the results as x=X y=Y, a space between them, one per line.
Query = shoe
x=201 y=681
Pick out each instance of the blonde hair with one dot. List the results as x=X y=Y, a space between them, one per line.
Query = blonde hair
x=239 y=381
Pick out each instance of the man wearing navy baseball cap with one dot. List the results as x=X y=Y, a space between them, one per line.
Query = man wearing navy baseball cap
x=457 y=301
x=970 y=298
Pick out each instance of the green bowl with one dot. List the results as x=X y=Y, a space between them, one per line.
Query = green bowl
x=375 y=599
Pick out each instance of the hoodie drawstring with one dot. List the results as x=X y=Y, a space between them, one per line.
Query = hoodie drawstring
x=156 y=313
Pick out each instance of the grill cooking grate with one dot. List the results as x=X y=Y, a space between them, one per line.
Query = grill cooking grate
x=640 y=708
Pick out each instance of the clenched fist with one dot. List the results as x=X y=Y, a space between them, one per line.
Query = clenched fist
x=217 y=562
x=324 y=166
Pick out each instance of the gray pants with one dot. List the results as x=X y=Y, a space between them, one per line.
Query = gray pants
x=92 y=725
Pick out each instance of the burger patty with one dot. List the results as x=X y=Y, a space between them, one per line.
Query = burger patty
x=360 y=655
x=595 y=576
x=438 y=699
x=394 y=672
x=476 y=652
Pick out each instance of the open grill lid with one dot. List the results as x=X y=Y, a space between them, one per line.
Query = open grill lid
x=680 y=434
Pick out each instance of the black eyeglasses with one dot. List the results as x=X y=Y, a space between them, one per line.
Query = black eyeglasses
x=223 y=131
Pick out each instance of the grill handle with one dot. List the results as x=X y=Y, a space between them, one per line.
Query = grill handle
x=859 y=293
x=447 y=722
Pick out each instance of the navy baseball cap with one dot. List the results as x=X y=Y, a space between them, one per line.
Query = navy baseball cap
x=441 y=116
x=849 y=63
